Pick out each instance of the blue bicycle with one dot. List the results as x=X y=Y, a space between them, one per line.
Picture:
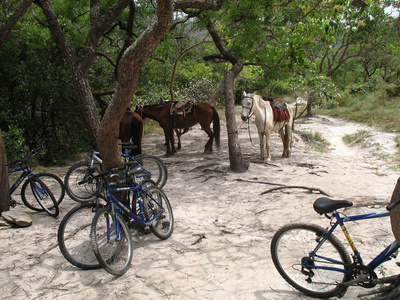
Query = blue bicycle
x=315 y=262
x=46 y=190
x=80 y=189
x=149 y=207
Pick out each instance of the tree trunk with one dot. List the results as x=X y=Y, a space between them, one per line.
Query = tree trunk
x=4 y=184
x=237 y=163
x=310 y=100
x=395 y=212
x=132 y=60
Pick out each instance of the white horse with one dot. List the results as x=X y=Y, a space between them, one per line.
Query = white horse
x=265 y=122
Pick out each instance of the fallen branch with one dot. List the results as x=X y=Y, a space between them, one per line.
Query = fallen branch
x=311 y=189
x=201 y=236
x=256 y=181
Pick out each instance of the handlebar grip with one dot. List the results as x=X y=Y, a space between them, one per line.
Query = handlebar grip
x=393 y=204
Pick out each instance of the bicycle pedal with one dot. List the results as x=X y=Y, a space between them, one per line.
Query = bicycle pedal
x=13 y=203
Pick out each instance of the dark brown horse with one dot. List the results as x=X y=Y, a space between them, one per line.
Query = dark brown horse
x=131 y=127
x=203 y=113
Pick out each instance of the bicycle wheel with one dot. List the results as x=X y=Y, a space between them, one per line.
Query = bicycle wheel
x=42 y=194
x=291 y=246
x=161 y=222
x=155 y=167
x=74 y=236
x=78 y=184
x=111 y=241
x=55 y=184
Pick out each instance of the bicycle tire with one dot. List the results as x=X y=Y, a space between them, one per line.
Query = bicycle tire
x=156 y=167
x=79 y=192
x=163 y=225
x=74 y=236
x=55 y=185
x=292 y=244
x=39 y=191
x=114 y=255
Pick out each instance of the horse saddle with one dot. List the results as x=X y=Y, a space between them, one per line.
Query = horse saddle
x=181 y=109
x=281 y=113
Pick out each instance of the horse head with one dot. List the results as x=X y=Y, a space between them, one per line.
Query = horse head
x=247 y=106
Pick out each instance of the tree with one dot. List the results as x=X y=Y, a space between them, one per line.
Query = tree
x=5 y=31
x=133 y=58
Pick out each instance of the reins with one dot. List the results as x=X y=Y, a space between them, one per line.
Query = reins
x=248 y=121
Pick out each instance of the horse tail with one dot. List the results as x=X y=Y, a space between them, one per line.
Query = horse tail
x=216 y=127
x=137 y=133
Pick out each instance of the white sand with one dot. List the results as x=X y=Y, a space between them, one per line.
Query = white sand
x=232 y=260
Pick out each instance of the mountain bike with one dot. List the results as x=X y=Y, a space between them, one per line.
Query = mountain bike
x=74 y=230
x=149 y=207
x=315 y=262
x=81 y=190
x=46 y=190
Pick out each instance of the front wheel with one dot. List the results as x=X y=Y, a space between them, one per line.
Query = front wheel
x=78 y=182
x=290 y=250
x=41 y=193
x=74 y=236
x=158 y=212
x=111 y=241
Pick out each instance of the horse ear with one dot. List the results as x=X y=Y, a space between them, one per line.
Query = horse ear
x=244 y=93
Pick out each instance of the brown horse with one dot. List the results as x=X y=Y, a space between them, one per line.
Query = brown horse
x=131 y=127
x=203 y=113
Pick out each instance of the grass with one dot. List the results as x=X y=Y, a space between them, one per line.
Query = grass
x=315 y=140
x=357 y=138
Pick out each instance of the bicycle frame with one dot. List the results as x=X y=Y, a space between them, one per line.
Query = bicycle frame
x=118 y=205
x=26 y=172
x=382 y=257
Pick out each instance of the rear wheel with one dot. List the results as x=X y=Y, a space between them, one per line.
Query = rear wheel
x=290 y=249
x=41 y=193
x=158 y=212
x=155 y=167
x=111 y=241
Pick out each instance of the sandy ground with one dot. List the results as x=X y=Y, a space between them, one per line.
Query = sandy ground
x=223 y=226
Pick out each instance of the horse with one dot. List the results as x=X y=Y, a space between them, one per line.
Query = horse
x=179 y=132
x=203 y=113
x=131 y=127
x=267 y=120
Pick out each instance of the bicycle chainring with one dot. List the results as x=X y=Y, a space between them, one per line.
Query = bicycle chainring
x=360 y=270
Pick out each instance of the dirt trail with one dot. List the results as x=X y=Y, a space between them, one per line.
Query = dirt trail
x=220 y=246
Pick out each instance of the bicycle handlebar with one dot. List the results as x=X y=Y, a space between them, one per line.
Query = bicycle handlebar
x=393 y=204
x=24 y=159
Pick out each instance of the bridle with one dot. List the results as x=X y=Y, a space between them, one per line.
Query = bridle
x=250 y=114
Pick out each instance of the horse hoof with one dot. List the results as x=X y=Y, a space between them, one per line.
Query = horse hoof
x=168 y=154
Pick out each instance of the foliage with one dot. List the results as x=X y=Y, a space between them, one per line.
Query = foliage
x=14 y=142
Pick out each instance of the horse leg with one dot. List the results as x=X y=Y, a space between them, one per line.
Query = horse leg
x=178 y=134
x=267 y=145
x=168 y=133
x=288 y=140
x=261 y=137
x=284 y=141
x=208 y=147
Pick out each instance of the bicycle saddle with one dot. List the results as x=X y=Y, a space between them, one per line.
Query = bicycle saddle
x=325 y=205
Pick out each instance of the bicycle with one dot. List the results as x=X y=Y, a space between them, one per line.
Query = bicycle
x=110 y=237
x=46 y=189
x=80 y=189
x=313 y=261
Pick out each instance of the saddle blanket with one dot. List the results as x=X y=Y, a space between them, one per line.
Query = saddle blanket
x=281 y=113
